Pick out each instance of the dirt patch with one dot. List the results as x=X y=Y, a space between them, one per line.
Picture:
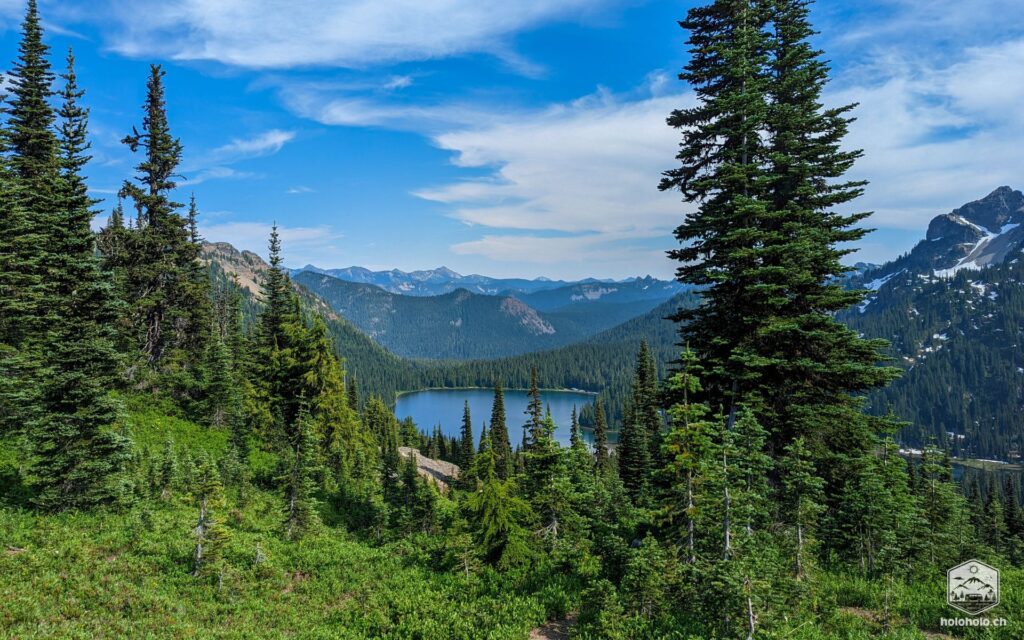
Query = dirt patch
x=439 y=472
x=554 y=630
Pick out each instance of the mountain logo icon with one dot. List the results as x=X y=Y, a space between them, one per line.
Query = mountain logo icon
x=972 y=587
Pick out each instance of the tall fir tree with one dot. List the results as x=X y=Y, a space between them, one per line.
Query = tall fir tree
x=641 y=425
x=29 y=188
x=167 y=293
x=467 y=448
x=534 y=412
x=78 y=455
x=499 y=435
x=601 y=456
x=762 y=158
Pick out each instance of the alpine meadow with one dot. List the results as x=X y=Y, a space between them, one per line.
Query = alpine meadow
x=703 y=396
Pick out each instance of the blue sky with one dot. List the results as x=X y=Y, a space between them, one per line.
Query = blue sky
x=518 y=138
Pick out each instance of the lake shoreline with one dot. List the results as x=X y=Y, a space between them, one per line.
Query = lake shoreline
x=543 y=390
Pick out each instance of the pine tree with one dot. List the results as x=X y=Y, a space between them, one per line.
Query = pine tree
x=499 y=435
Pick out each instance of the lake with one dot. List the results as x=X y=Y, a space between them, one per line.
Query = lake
x=444 y=406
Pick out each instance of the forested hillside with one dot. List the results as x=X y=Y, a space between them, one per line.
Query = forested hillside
x=952 y=311
x=457 y=325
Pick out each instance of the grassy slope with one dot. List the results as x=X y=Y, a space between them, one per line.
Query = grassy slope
x=127 y=574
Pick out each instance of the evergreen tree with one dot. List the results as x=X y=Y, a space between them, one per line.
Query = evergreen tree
x=688 y=450
x=642 y=424
x=467 y=450
x=499 y=435
x=496 y=515
x=803 y=498
x=78 y=456
x=352 y=388
x=168 y=294
x=601 y=438
x=575 y=438
x=300 y=485
x=534 y=412
x=29 y=181
x=210 y=533
x=36 y=168
x=761 y=157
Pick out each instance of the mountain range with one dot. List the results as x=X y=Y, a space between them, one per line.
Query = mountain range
x=464 y=325
x=442 y=280
x=953 y=311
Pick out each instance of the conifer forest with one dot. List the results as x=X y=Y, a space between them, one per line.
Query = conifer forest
x=200 y=440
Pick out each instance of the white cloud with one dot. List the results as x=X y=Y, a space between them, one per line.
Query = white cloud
x=300 y=189
x=347 y=33
x=215 y=173
x=266 y=143
x=937 y=137
x=214 y=164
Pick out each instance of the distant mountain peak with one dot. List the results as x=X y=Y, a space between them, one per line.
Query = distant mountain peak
x=975 y=235
x=1002 y=206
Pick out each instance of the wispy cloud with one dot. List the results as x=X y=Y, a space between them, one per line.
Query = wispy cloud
x=355 y=33
x=262 y=144
x=300 y=189
x=214 y=164
x=215 y=173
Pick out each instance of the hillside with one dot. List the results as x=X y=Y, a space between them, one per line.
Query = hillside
x=953 y=309
x=457 y=325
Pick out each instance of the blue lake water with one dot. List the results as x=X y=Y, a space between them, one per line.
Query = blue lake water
x=444 y=407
